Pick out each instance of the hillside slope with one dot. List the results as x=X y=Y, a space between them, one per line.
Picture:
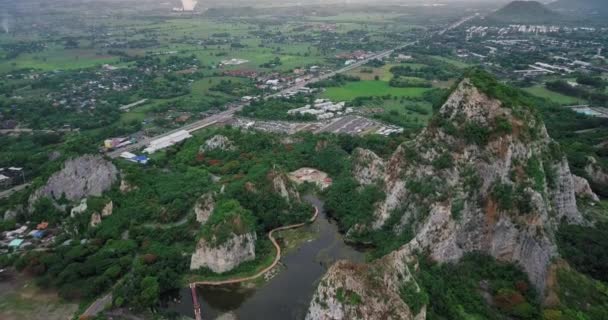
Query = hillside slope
x=524 y=12
x=484 y=177
x=581 y=6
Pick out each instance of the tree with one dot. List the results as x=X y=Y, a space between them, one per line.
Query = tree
x=150 y=291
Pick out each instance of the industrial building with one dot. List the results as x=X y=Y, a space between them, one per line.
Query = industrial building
x=134 y=158
x=322 y=109
x=167 y=141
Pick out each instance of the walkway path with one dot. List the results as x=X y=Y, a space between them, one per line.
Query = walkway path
x=274 y=263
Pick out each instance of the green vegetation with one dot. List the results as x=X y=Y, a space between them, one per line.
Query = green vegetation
x=351 y=211
x=346 y=296
x=413 y=296
x=228 y=219
x=459 y=291
x=276 y=109
x=581 y=298
x=585 y=248
x=542 y=92
x=373 y=88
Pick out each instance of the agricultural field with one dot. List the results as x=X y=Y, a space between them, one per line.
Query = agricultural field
x=370 y=88
x=542 y=92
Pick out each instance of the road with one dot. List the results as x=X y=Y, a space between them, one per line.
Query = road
x=9 y=192
x=458 y=24
x=94 y=309
x=226 y=115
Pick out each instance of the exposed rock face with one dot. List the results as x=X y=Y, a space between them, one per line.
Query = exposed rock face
x=482 y=177
x=226 y=256
x=217 y=142
x=346 y=292
x=204 y=207
x=79 y=209
x=598 y=177
x=95 y=220
x=282 y=185
x=368 y=168
x=126 y=187
x=80 y=178
x=583 y=189
x=107 y=209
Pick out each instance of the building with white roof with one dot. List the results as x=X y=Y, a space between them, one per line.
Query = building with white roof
x=167 y=141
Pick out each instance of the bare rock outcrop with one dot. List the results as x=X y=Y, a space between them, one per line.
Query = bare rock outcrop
x=107 y=209
x=80 y=178
x=368 y=168
x=204 y=207
x=227 y=239
x=492 y=181
x=282 y=185
x=80 y=208
x=126 y=187
x=226 y=256
x=95 y=219
x=348 y=292
x=218 y=142
x=598 y=176
x=482 y=177
x=582 y=189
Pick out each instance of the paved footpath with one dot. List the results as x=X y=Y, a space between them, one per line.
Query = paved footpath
x=277 y=258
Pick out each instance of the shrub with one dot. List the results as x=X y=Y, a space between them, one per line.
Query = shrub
x=476 y=133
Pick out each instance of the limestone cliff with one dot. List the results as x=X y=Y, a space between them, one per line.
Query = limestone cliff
x=368 y=168
x=226 y=256
x=227 y=239
x=598 y=176
x=80 y=178
x=283 y=186
x=204 y=207
x=484 y=176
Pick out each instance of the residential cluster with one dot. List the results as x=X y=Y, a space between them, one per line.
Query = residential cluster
x=322 y=109
x=483 y=31
x=22 y=238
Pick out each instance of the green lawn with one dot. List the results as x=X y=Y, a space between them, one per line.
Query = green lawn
x=542 y=92
x=371 y=88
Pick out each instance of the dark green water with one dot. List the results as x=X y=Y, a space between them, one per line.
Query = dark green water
x=287 y=295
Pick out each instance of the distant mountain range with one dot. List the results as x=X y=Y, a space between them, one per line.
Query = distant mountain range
x=524 y=12
x=581 y=6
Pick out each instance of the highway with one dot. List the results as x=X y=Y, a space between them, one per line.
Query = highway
x=226 y=115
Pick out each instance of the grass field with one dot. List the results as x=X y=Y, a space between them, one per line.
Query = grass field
x=20 y=298
x=371 y=88
x=454 y=62
x=542 y=92
x=50 y=60
x=200 y=91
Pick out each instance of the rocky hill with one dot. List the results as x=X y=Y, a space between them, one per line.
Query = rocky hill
x=79 y=178
x=524 y=12
x=227 y=239
x=484 y=176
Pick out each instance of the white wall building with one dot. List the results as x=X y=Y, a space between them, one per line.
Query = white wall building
x=167 y=141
